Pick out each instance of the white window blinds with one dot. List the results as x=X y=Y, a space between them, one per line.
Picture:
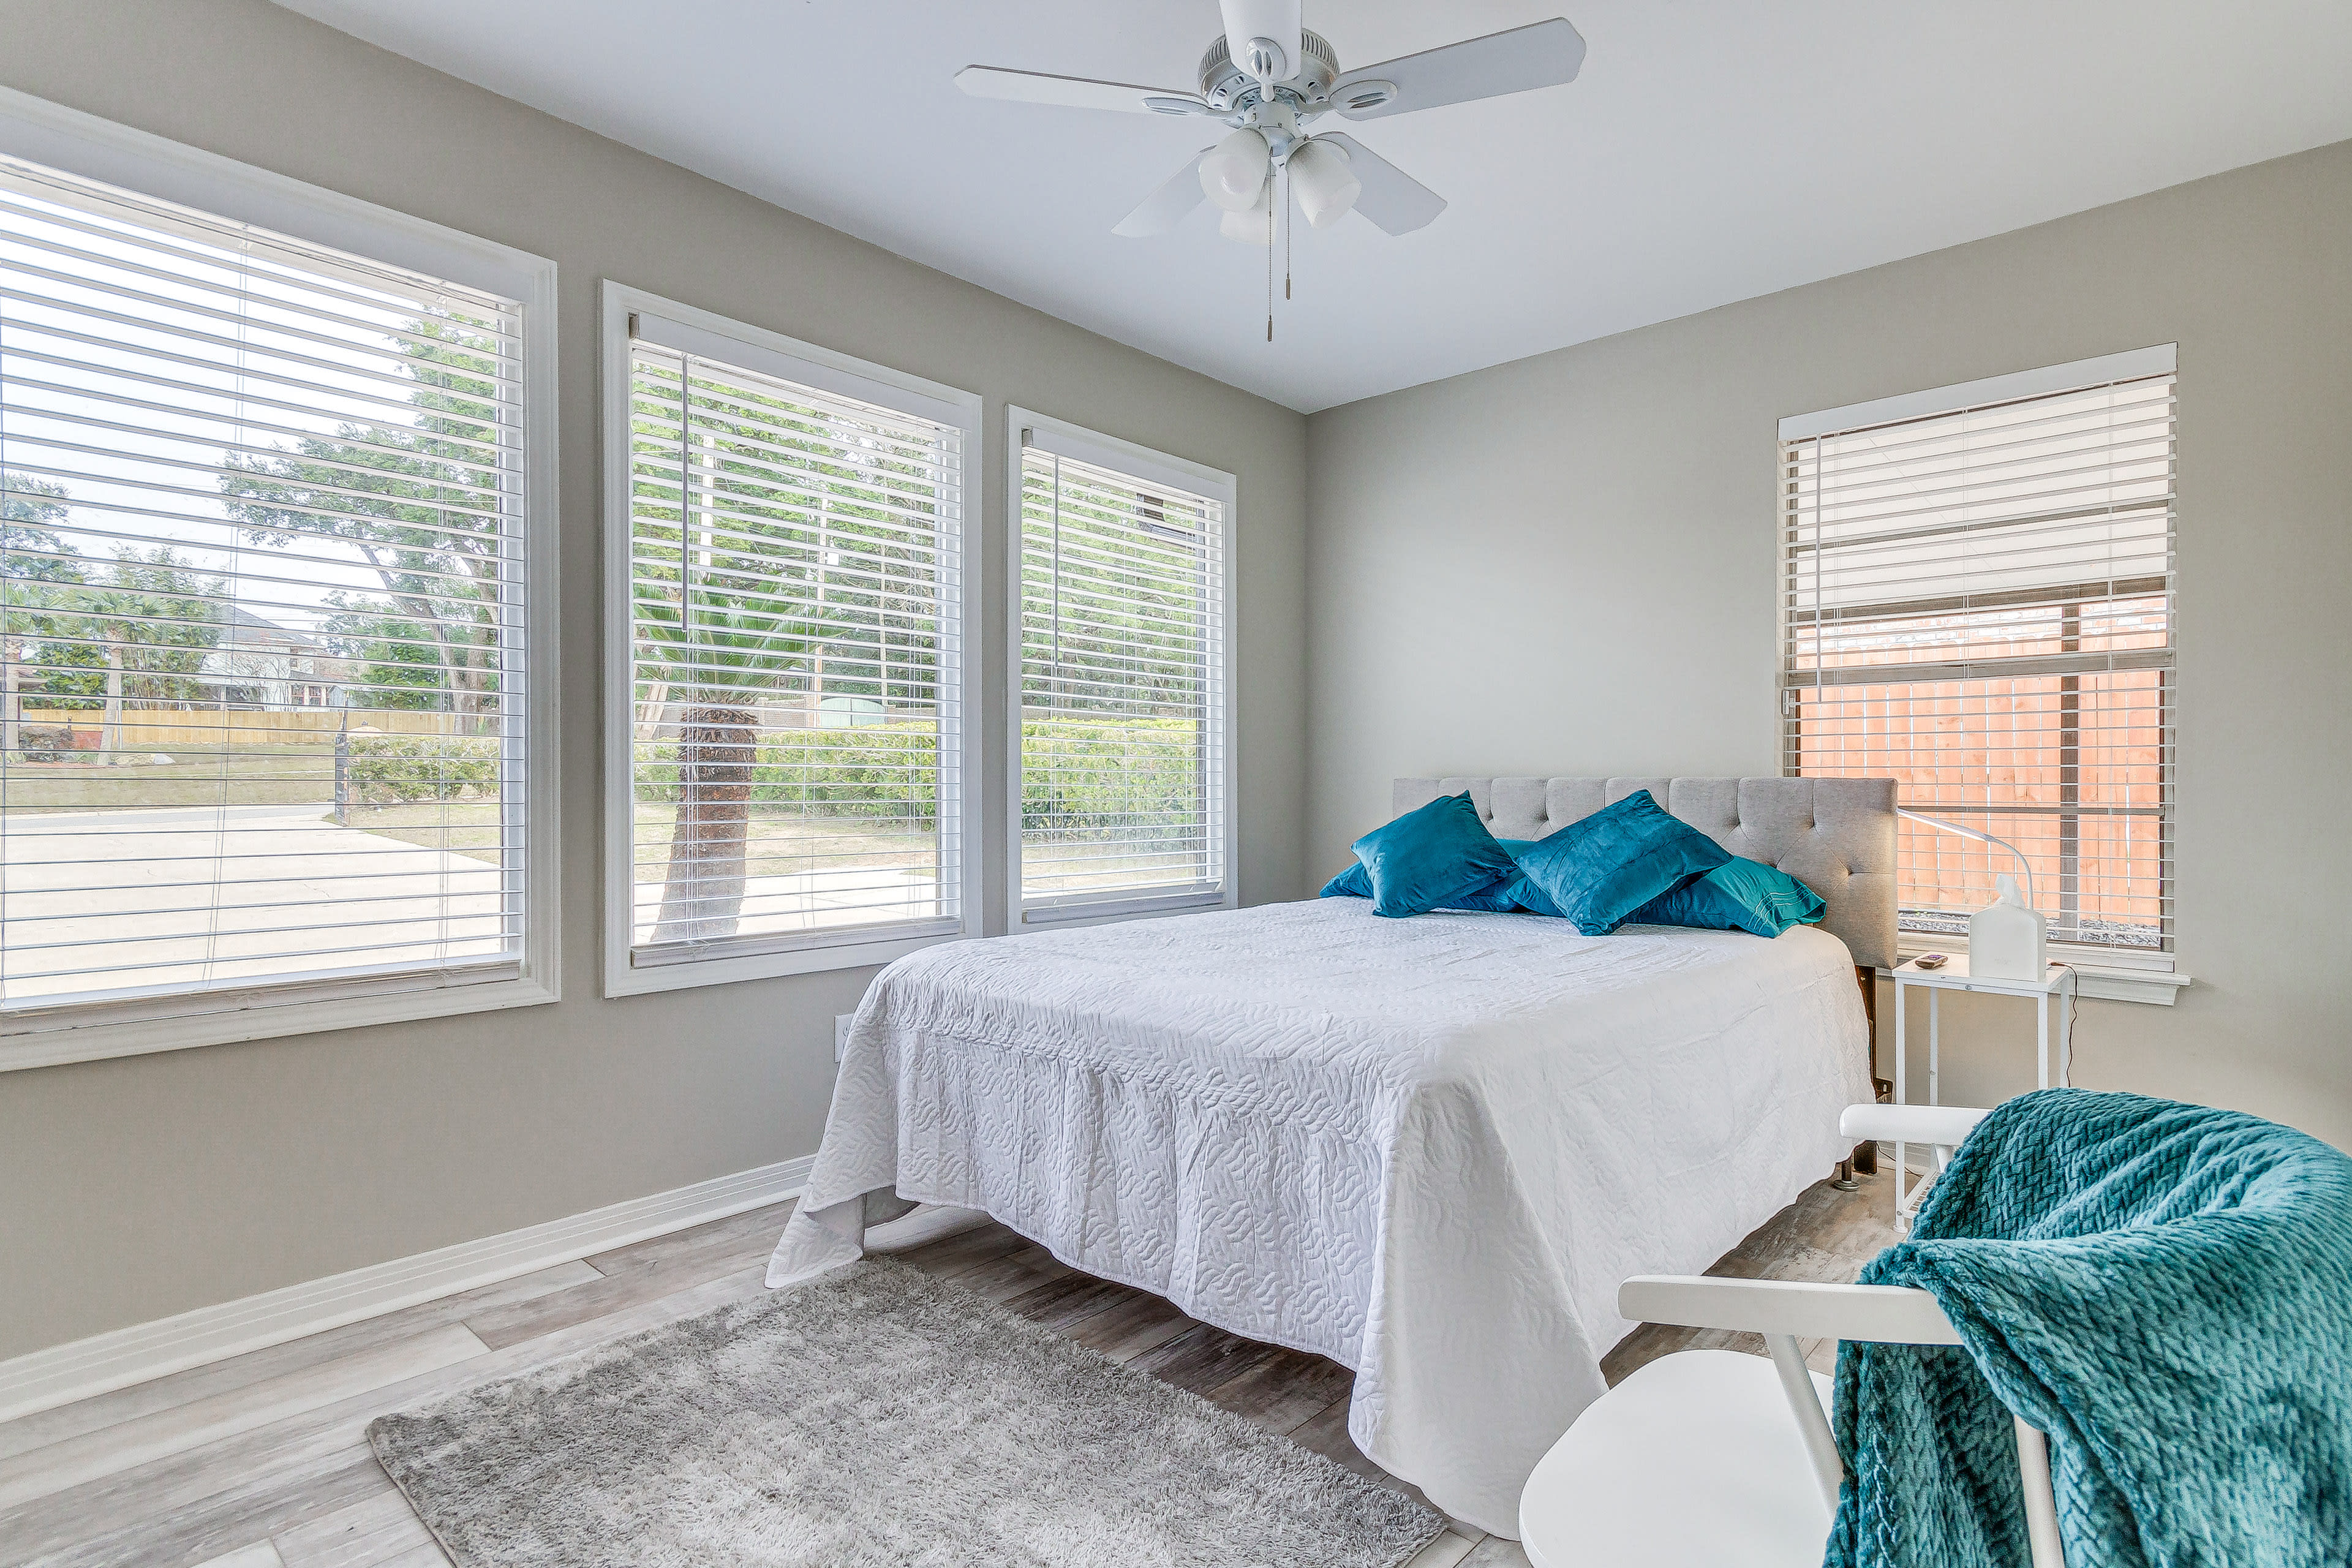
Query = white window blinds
x=1979 y=602
x=1122 y=745
x=262 y=636
x=796 y=772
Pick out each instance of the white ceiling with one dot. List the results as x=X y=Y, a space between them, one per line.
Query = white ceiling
x=1711 y=151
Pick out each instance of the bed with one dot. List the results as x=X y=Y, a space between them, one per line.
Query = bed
x=1429 y=1148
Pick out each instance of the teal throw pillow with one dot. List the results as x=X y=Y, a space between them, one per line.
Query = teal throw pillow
x=1597 y=870
x=1739 y=895
x=1504 y=895
x=1430 y=856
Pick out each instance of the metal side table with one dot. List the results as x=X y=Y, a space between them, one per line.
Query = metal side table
x=2055 y=991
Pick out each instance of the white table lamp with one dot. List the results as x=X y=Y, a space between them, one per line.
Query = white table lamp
x=2008 y=939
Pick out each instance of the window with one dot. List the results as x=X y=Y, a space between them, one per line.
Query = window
x=266 y=649
x=1977 y=600
x=1124 y=750
x=788 y=613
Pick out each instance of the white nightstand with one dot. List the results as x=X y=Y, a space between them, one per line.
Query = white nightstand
x=2056 y=986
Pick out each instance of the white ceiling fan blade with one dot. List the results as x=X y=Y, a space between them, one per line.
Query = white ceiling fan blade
x=1074 y=92
x=1392 y=198
x=1542 y=54
x=1164 y=208
x=1276 y=21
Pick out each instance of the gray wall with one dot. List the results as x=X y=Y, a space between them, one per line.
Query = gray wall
x=136 y=1188
x=1566 y=566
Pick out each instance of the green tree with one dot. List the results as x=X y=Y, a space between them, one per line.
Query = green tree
x=161 y=617
x=35 y=559
x=139 y=631
x=421 y=502
x=398 y=661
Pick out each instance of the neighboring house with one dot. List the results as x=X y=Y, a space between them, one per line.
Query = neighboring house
x=260 y=664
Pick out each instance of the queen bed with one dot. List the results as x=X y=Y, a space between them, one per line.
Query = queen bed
x=1427 y=1148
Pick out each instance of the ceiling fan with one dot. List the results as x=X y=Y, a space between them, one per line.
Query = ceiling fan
x=1266 y=78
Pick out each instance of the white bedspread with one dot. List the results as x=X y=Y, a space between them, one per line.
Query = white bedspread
x=1429 y=1148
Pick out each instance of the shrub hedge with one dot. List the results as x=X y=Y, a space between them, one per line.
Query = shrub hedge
x=424 y=767
x=1113 y=772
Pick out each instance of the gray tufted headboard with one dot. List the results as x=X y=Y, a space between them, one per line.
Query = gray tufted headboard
x=1835 y=836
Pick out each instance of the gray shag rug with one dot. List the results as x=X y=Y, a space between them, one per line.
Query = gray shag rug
x=873 y=1415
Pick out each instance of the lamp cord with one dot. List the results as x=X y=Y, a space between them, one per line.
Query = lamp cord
x=2073 y=1013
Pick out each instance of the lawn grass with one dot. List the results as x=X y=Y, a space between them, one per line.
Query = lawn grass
x=782 y=841
x=205 y=775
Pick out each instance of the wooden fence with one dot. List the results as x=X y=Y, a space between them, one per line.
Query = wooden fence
x=156 y=729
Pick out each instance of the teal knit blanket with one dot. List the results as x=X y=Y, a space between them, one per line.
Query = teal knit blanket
x=2164 y=1288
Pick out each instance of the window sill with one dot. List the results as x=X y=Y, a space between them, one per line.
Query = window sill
x=103 y=1030
x=1045 y=917
x=2101 y=978
x=624 y=977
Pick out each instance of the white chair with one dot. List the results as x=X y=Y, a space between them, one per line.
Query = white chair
x=1943 y=1128
x=1713 y=1456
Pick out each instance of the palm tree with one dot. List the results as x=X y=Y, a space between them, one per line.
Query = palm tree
x=157 y=616
x=721 y=631
x=777 y=563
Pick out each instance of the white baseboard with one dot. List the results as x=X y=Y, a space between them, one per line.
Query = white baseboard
x=63 y=1373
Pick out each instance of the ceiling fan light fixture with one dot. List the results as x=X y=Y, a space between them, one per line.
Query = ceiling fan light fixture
x=1327 y=187
x=1233 y=174
x=1254 y=225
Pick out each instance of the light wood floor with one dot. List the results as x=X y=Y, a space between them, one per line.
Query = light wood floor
x=260 y=1462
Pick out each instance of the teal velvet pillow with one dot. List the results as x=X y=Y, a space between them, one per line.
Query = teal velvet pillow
x=1531 y=898
x=1430 y=856
x=1521 y=894
x=1599 y=870
x=1494 y=898
x=1355 y=882
x=1739 y=895
x=1502 y=895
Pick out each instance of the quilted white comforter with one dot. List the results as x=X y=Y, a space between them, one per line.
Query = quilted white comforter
x=1429 y=1148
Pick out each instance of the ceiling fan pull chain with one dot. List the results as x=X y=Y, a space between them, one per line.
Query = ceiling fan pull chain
x=1269 y=266
x=1290 y=227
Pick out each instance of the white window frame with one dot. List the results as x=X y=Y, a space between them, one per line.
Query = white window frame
x=77 y=143
x=1024 y=429
x=755 y=347
x=2103 y=973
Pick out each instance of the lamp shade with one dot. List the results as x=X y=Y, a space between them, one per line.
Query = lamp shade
x=1327 y=187
x=1254 y=225
x=1234 y=172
